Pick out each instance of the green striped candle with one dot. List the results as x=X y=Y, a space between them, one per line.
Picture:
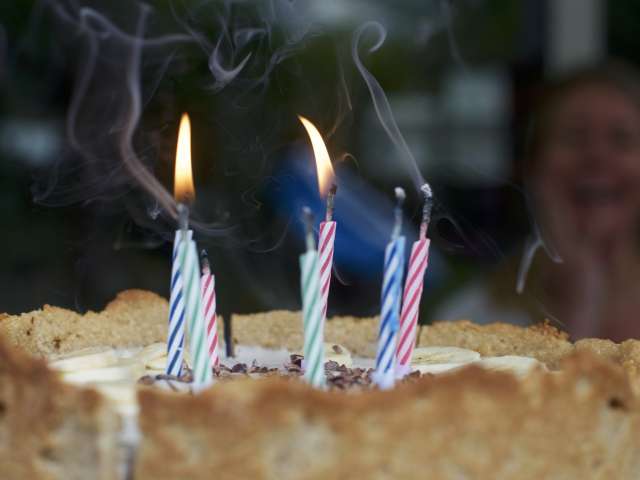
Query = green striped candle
x=201 y=363
x=312 y=310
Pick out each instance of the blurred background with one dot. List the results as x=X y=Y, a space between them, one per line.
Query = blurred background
x=90 y=91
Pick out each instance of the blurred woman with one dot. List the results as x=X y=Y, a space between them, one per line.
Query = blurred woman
x=583 y=176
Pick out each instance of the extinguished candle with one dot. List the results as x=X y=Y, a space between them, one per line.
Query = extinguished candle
x=313 y=324
x=413 y=287
x=384 y=373
x=208 y=285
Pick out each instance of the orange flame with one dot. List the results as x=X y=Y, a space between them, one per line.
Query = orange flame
x=323 y=162
x=183 y=189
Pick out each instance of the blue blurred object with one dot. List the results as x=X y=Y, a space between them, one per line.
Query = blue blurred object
x=364 y=216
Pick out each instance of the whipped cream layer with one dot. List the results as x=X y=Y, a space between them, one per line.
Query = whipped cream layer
x=117 y=372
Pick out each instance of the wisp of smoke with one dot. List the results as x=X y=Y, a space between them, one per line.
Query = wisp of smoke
x=380 y=101
x=120 y=69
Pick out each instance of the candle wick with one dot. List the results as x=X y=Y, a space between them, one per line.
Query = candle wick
x=330 y=201
x=426 y=210
x=397 y=227
x=183 y=218
x=308 y=221
x=204 y=261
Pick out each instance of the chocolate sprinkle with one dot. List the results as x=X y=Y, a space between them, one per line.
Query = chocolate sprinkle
x=339 y=377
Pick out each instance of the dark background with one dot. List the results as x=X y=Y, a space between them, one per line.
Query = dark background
x=461 y=78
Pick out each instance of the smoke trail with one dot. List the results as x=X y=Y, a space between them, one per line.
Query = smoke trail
x=380 y=102
x=445 y=6
x=114 y=84
x=533 y=243
x=132 y=162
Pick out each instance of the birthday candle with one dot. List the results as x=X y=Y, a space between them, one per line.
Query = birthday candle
x=326 y=185
x=413 y=287
x=326 y=238
x=202 y=373
x=391 y=291
x=175 y=336
x=312 y=310
x=208 y=284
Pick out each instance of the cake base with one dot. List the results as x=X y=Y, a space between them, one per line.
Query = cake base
x=471 y=424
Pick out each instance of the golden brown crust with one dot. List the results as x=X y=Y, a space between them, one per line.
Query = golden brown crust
x=133 y=318
x=544 y=342
x=50 y=430
x=581 y=423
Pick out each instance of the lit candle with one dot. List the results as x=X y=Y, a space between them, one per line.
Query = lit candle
x=193 y=312
x=186 y=301
x=327 y=230
x=384 y=373
x=413 y=286
x=208 y=283
x=312 y=309
x=183 y=192
x=175 y=336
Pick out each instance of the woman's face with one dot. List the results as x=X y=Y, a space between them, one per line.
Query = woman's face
x=587 y=173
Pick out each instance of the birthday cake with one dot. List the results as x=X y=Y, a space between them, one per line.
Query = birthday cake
x=84 y=396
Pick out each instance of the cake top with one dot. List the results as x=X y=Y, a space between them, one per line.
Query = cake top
x=137 y=318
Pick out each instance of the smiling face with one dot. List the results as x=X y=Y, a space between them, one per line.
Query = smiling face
x=586 y=175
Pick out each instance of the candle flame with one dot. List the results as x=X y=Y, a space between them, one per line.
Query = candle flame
x=183 y=189
x=323 y=162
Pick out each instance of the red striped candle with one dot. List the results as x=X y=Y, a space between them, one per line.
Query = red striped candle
x=413 y=286
x=327 y=187
x=326 y=239
x=207 y=284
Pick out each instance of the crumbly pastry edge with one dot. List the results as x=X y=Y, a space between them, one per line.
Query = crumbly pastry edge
x=469 y=424
x=144 y=309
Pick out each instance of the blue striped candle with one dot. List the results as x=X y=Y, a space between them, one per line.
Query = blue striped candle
x=390 y=312
x=391 y=297
x=175 y=336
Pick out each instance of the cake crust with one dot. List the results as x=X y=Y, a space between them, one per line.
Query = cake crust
x=476 y=424
x=579 y=421
x=50 y=430
x=133 y=318
x=544 y=342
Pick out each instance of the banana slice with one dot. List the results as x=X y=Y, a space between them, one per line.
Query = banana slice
x=156 y=358
x=87 y=358
x=152 y=352
x=436 y=368
x=443 y=355
x=128 y=370
x=518 y=365
x=159 y=363
x=338 y=354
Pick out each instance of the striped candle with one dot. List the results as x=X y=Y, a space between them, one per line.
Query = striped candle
x=202 y=373
x=391 y=292
x=413 y=286
x=326 y=240
x=175 y=336
x=413 y=289
x=208 y=284
x=313 y=325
